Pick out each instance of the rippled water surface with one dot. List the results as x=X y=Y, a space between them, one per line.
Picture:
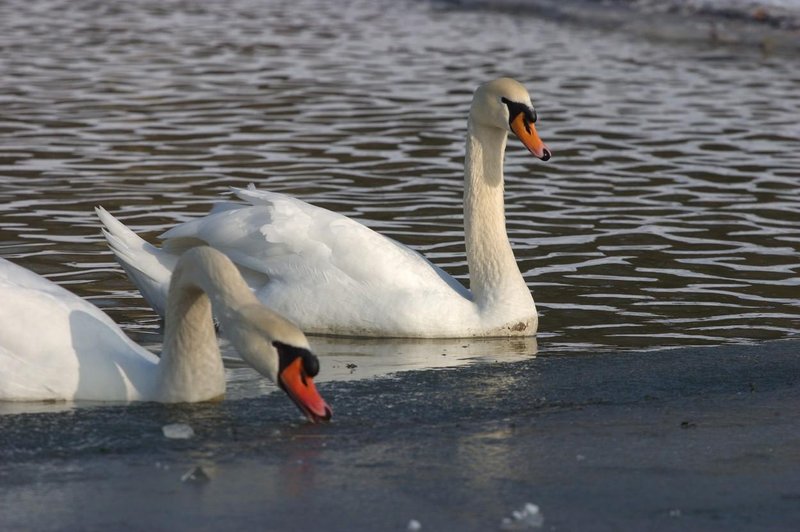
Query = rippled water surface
x=669 y=214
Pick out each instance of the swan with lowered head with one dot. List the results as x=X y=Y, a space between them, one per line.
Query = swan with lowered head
x=333 y=275
x=57 y=346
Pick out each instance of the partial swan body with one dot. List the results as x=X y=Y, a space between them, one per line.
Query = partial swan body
x=57 y=346
x=332 y=275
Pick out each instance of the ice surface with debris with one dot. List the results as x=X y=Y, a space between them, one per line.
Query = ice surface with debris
x=528 y=517
x=177 y=431
x=195 y=474
x=414 y=526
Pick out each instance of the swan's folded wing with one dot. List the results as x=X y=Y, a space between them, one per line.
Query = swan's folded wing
x=36 y=352
x=55 y=345
x=290 y=240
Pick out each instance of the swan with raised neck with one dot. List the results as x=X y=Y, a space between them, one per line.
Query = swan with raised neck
x=332 y=275
x=498 y=107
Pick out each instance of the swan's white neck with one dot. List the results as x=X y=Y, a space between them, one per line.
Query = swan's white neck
x=191 y=366
x=495 y=279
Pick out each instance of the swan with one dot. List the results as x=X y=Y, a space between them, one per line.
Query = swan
x=333 y=275
x=56 y=346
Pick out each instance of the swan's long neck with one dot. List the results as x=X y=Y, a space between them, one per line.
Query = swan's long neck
x=191 y=366
x=495 y=279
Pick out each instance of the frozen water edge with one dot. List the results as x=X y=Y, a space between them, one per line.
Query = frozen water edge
x=177 y=431
x=706 y=436
x=770 y=26
x=526 y=518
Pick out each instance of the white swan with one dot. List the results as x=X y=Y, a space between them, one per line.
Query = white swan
x=332 y=275
x=57 y=346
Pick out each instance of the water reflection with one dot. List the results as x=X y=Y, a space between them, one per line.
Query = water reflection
x=344 y=359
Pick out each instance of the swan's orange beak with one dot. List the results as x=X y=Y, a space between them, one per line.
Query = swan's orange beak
x=299 y=386
x=526 y=132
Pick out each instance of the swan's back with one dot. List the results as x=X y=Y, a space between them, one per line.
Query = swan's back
x=56 y=346
x=317 y=266
x=289 y=239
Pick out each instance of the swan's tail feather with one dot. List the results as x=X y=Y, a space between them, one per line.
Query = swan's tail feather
x=149 y=267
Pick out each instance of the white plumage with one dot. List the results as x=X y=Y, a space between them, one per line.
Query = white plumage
x=57 y=346
x=332 y=275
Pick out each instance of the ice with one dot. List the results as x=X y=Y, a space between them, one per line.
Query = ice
x=528 y=517
x=414 y=526
x=177 y=431
x=195 y=474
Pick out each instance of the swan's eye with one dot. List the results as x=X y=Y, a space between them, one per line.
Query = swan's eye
x=310 y=364
x=514 y=109
x=288 y=354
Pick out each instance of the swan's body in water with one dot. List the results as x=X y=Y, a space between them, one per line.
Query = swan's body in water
x=56 y=346
x=333 y=275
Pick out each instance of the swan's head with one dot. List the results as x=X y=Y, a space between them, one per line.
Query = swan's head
x=280 y=351
x=505 y=104
x=297 y=368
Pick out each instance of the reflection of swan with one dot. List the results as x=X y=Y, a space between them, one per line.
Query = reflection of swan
x=344 y=359
x=348 y=358
x=332 y=275
x=56 y=346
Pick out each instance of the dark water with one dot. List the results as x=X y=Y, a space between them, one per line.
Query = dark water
x=668 y=216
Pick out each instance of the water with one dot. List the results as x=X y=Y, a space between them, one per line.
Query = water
x=668 y=216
